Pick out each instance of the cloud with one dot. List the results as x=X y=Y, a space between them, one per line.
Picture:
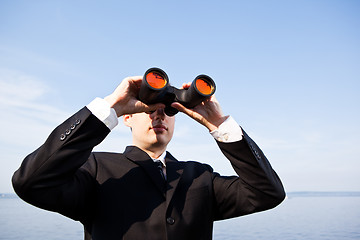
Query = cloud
x=16 y=85
x=25 y=59
x=24 y=96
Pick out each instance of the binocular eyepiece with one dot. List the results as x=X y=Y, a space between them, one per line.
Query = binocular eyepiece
x=155 y=88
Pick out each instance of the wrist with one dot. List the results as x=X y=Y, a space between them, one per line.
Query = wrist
x=228 y=131
x=113 y=102
x=213 y=125
x=102 y=110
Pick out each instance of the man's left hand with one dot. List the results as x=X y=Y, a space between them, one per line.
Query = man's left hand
x=207 y=113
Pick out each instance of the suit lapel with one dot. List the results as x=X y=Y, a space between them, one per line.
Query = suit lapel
x=174 y=171
x=143 y=160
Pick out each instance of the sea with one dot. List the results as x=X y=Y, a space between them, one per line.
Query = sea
x=302 y=215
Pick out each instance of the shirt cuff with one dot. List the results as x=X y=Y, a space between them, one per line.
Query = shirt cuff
x=102 y=110
x=228 y=131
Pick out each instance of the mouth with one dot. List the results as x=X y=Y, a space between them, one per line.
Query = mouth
x=159 y=128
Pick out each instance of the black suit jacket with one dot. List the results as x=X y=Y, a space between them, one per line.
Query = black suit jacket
x=122 y=196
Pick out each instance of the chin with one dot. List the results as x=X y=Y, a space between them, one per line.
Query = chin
x=162 y=141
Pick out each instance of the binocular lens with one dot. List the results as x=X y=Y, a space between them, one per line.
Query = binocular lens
x=204 y=86
x=155 y=88
x=156 y=80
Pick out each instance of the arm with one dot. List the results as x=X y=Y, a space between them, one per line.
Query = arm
x=52 y=178
x=257 y=186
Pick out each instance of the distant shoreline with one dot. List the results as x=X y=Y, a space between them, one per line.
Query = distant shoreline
x=323 y=194
x=288 y=194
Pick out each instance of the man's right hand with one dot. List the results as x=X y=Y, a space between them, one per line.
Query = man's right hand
x=124 y=98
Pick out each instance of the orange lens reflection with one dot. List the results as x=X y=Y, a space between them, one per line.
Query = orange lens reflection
x=155 y=80
x=203 y=86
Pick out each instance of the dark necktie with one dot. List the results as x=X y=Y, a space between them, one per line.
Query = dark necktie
x=160 y=167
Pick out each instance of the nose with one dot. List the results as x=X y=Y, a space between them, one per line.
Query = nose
x=158 y=114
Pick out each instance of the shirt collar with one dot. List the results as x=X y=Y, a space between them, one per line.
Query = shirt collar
x=161 y=158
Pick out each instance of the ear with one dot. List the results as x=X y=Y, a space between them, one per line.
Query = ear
x=127 y=120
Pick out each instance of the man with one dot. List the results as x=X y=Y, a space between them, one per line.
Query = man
x=127 y=196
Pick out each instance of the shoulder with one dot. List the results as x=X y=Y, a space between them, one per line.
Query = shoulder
x=105 y=155
x=109 y=159
x=101 y=160
x=197 y=168
x=188 y=164
x=105 y=165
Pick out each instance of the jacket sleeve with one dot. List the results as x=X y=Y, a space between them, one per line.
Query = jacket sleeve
x=257 y=186
x=52 y=178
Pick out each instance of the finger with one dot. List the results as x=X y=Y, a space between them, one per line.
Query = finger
x=213 y=98
x=181 y=108
x=189 y=112
x=186 y=85
x=136 y=80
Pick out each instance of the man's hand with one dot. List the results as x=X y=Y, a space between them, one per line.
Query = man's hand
x=124 y=98
x=207 y=113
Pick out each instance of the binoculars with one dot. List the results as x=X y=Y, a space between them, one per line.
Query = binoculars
x=155 y=88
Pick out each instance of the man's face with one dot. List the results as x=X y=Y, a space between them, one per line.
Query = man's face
x=151 y=130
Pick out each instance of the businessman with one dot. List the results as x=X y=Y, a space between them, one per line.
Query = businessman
x=145 y=192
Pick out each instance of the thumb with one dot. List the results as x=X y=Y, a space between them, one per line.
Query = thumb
x=179 y=107
x=189 y=112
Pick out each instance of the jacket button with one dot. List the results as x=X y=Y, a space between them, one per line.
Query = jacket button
x=62 y=137
x=170 y=220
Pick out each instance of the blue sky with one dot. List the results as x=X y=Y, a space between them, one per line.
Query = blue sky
x=287 y=71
